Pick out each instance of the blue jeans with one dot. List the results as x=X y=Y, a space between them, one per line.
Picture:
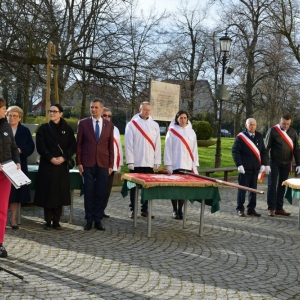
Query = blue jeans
x=279 y=173
x=248 y=180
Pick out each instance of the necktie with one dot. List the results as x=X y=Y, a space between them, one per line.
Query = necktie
x=97 y=131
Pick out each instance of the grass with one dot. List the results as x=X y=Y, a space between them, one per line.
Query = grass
x=206 y=156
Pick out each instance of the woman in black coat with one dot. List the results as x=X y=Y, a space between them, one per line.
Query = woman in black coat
x=26 y=146
x=55 y=142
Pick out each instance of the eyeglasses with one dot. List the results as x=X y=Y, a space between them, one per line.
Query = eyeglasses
x=13 y=116
x=53 y=111
x=105 y=115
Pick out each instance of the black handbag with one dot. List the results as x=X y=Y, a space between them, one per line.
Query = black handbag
x=71 y=160
x=71 y=163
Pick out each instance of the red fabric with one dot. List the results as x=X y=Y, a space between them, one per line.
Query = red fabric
x=4 y=197
x=118 y=155
x=178 y=178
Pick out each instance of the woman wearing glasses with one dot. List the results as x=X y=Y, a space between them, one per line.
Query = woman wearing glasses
x=25 y=146
x=118 y=158
x=8 y=151
x=55 y=142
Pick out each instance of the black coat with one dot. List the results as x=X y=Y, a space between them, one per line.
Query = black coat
x=8 y=147
x=53 y=183
x=280 y=152
x=24 y=142
x=244 y=156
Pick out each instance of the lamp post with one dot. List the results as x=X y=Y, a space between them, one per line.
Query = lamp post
x=222 y=93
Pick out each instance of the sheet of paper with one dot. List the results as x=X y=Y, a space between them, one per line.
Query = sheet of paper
x=16 y=177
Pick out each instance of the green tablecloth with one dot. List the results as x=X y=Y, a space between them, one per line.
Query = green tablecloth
x=75 y=178
x=291 y=193
x=210 y=194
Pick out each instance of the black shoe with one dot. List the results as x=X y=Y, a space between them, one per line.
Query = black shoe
x=180 y=215
x=241 y=213
x=13 y=226
x=88 y=226
x=98 y=226
x=56 y=225
x=47 y=226
x=105 y=215
x=175 y=215
x=3 y=252
x=252 y=212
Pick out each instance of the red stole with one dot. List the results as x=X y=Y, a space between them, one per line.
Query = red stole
x=186 y=145
x=143 y=133
x=118 y=155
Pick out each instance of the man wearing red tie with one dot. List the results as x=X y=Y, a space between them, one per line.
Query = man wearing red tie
x=95 y=158
x=118 y=158
x=251 y=158
x=282 y=141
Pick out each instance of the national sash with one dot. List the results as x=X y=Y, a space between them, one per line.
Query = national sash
x=251 y=145
x=186 y=145
x=143 y=133
x=285 y=136
x=118 y=155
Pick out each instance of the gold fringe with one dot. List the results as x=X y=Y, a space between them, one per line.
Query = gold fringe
x=146 y=185
x=293 y=183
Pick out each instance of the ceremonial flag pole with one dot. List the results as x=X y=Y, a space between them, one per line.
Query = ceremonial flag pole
x=225 y=183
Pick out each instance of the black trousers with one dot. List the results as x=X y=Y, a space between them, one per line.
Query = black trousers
x=144 y=205
x=109 y=184
x=52 y=214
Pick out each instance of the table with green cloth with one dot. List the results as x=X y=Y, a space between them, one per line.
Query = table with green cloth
x=293 y=191
x=75 y=183
x=175 y=186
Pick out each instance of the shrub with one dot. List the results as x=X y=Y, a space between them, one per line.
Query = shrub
x=203 y=130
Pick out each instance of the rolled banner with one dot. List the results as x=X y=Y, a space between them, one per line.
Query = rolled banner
x=260 y=177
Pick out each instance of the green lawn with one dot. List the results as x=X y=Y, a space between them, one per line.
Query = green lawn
x=206 y=155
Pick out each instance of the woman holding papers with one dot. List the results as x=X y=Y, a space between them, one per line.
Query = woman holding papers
x=26 y=146
x=55 y=142
x=181 y=153
x=8 y=151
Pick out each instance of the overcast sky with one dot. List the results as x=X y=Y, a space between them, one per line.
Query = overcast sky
x=172 y=5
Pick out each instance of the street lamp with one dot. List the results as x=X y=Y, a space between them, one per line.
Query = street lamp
x=222 y=93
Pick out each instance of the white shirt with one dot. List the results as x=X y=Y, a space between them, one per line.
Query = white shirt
x=176 y=153
x=138 y=150
x=118 y=139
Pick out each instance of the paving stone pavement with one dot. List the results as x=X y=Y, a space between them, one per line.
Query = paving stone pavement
x=237 y=258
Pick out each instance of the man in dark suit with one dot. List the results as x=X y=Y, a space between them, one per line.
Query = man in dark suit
x=251 y=158
x=95 y=159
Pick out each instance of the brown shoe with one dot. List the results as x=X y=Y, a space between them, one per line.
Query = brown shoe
x=271 y=213
x=241 y=213
x=282 y=212
x=252 y=212
x=145 y=214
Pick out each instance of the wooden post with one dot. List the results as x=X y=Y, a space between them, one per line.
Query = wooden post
x=50 y=67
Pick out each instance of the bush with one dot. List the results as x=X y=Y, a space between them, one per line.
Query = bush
x=203 y=130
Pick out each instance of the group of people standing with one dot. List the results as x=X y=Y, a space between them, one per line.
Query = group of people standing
x=274 y=157
x=99 y=155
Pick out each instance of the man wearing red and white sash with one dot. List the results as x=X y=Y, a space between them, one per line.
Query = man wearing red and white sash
x=282 y=142
x=142 y=148
x=251 y=158
x=118 y=158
